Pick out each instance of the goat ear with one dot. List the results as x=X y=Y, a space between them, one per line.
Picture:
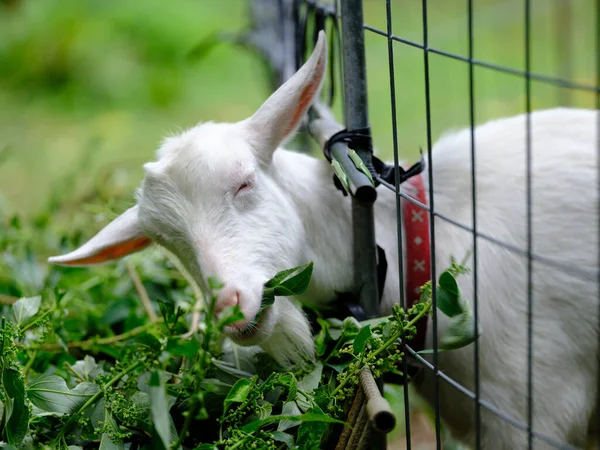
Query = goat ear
x=119 y=238
x=281 y=115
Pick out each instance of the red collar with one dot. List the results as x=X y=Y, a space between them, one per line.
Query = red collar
x=417 y=251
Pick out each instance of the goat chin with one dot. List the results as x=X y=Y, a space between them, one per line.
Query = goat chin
x=290 y=342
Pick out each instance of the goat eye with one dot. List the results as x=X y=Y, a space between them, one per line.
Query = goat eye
x=243 y=187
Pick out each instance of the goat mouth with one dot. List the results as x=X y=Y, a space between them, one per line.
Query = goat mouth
x=251 y=329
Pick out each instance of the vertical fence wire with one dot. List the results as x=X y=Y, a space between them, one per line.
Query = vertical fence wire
x=399 y=213
x=597 y=49
x=436 y=381
x=474 y=208
x=529 y=225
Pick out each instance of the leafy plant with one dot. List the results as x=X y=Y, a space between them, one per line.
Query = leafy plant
x=85 y=364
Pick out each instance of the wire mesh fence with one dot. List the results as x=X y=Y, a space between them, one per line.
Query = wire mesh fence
x=308 y=17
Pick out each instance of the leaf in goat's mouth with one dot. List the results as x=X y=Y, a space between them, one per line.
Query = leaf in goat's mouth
x=288 y=282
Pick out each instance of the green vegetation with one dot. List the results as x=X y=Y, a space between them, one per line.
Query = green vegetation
x=107 y=81
x=86 y=361
x=88 y=88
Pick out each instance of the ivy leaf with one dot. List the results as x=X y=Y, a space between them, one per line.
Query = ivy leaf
x=449 y=299
x=25 y=308
x=159 y=408
x=238 y=393
x=50 y=393
x=360 y=341
x=15 y=409
x=460 y=333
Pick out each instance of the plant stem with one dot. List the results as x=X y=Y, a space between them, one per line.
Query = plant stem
x=141 y=290
x=397 y=335
x=186 y=426
x=100 y=341
x=96 y=396
x=7 y=299
x=30 y=362
x=386 y=345
x=42 y=317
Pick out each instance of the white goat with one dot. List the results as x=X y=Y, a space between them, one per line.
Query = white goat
x=231 y=204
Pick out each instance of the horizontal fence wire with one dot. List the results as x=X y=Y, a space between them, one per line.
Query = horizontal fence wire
x=487 y=405
x=576 y=272
x=558 y=82
x=569 y=269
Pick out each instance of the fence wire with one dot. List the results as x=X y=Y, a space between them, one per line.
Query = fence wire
x=528 y=76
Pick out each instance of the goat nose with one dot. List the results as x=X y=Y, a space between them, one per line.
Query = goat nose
x=227 y=298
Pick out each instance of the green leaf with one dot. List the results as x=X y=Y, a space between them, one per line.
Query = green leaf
x=265 y=410
x=238 y=393
x=106 y=443
x=448 y=297
x=230 y=315
x=460 y=333
x=25 y=308
x=350 y=324
x=257 y=424
x=311 y=381
x=360 y=341
x=231 y=369
x=310 y=435
x=323 y=337
x=50 y=393
x=292 y=385
x=86 y=369
x=177 y=346
x=159 y=408
x=280 y=276
x=286 y=438
x=289 y=409
x=268 y=297
x=297 y=284
x=15 y=408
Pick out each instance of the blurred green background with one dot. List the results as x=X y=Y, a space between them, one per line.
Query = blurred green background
x=88 y=88
x=87 y=85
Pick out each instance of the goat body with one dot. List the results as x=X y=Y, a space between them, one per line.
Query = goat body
x=230 y=203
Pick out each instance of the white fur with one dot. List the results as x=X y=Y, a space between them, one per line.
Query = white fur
x=291 y=214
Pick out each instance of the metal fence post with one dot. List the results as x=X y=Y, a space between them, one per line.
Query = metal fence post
x=356 y=117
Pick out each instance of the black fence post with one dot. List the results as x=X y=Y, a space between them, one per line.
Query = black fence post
x=356 y=117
